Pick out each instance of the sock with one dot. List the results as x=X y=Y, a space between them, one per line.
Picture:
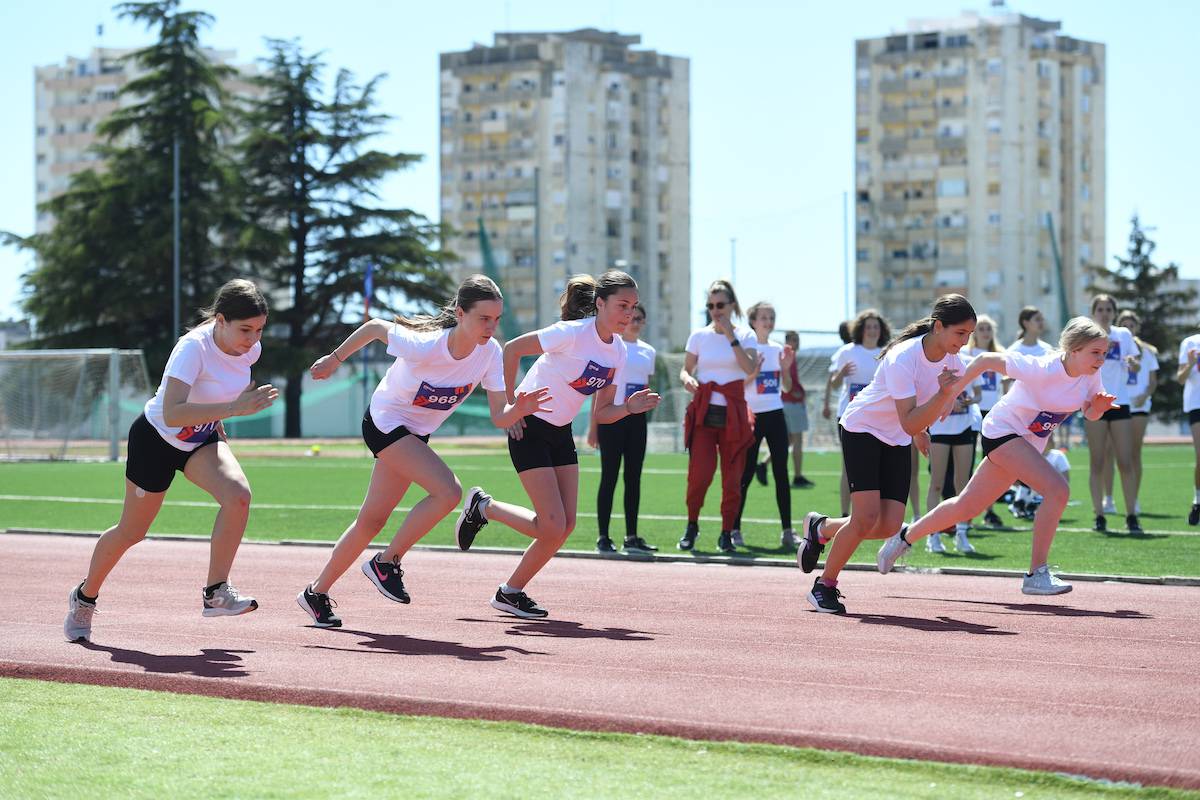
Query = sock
x=506 y=589
x=209 y=590
x=832 y=584
x=483 y=507
x=904 y=538
x=83 y=597
x=821 y=538
x=960 y=527
x=1196 y=500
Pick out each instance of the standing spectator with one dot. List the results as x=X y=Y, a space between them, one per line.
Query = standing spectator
x=1142 y=384
x=1116 y=426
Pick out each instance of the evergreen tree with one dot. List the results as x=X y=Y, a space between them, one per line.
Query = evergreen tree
x=1167 y=312
x=310 y=185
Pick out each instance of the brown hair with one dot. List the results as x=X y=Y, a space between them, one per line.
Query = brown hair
x=859 y=326
x=844 y=331
x=1027 y=313
x=578 y=300
x=474 y=289
x=1103 y=298
x=724 y=286
x=762 y=305
x=949 y=309
x=237 y=299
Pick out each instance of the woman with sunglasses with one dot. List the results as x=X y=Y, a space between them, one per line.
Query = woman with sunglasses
x=718 y=360
x=625 y=438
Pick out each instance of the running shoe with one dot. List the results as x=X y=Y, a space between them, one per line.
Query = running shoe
x=78 y=625
x=1132 y=524
x=735 y=536
x=688 y=540
x=802 y=482
x=933 y=544
x=992 y=519
x=319 y=607
x=1101 y=524
x=472 y=519
x=961 y=543
x=638 y=546
x=518 y=604
x=826 y=599
x=760 y=472
x=725 y=543
x=892 y=550
x=811 y=546
x=226 y=602
x=1194 y=514
x=1040 y=581
x=605 y=545
x=387 y=577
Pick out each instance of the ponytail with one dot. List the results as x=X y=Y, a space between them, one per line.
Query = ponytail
x=474 y=289
x=578 y=300
x=949 y=309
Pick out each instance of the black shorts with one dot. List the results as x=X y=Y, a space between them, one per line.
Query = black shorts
x=377 y=440
x=151 y=463
x=954 y=439
x=543 y=445
x=1193 y=416
x=1115 y=413
x=872 y=465
x=1139 y=413
x=988 y=445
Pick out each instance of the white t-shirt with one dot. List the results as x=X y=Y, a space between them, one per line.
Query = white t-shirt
x=958 y=421
x=989 y=382
x=865 y=361
x=635 y=375
x=1139 y=381
x=575 y=364
x=1042 y=396
x=1038 y=349
x=1191 y=387
x=215 y=377
x=1114 y=373
x=716 y=358
x=763 y=390
x=903 y=372
x=425 y=383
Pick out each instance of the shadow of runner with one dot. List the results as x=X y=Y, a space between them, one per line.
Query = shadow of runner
x=399 y=644
x=936 y=625
x=208 y=663
x=1039 y=609
x=562 y=629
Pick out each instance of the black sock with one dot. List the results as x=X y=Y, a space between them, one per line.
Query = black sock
x=903 y=538
x=79 y=594
x=209 y=590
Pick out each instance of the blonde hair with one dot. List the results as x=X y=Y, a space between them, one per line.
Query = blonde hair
x=980 y=320
x=1078 y=333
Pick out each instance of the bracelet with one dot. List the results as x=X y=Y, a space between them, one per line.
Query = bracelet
x=735 y=343
x=335 y=355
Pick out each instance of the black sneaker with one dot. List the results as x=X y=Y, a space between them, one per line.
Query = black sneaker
x=803 y=482
x=637 y=544
x=826 y=599
x=471 y=520
x=605 y=545
x=1101 y=524
x=688 y=540
x=810 y=548
x=992 y=519
x=319 y=607
x=1194 y=514
x=518 y=604
x=1131 y=522
x=725 y=543
x=387 y=577
x=760 y=472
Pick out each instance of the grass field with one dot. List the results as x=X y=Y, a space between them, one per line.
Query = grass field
x=315 y=498
x=59 y=738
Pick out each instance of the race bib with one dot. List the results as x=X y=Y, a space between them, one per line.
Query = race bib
x=1047 y=421
x=962 y=398
x=440 y=398
x=195 y=434
x=767 y=382
x=855 y=388
x=989 y=381
x=593 y=379
x=1114 y=351
x=633 y=388
x=1132 y=379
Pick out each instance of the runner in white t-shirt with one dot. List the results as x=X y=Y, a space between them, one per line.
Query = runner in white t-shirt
x=852 y=367
x=578 y=358
x=206 y=380
x=1046 y=390
x=1115 y=429
x=912 y=388
x=439 y=361
x=1187 y=374
x=1141 y=384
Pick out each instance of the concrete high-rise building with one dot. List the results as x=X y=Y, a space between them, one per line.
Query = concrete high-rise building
x=979 y=167
x=574 y=150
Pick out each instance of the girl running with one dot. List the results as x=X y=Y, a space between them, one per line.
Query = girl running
x=853 y=366
x=578 y=358
x=1142 y=384
x=914 y=385
x=1115 y=428
x=766 y=402
x=1187 y=373
x=439 y=361
x=625 y=438
x=206 y=380
x=1046 y=390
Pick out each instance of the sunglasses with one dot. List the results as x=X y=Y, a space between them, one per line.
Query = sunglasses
x=718 y=306
x=637 y=320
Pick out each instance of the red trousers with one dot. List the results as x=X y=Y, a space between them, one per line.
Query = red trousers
x=702 y=463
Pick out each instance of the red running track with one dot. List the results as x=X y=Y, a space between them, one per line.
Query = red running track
x=1101 y=682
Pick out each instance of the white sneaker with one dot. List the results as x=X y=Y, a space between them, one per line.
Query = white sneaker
x=1042 y=582
x=934 y=543
x=78 y=625
x=735 y=536
x=226 y=602
x=961 y=544
x=1110 y=506
x=789 y=539
x=892 y=549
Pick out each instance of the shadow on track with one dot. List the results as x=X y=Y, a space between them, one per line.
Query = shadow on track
x=936 y=625
x=562 y=629
x=399 y=644
x=1039 y=609
x=208 y=663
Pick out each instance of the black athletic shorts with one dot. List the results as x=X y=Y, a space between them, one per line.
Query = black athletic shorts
x=1193 y=416
x=377 y=440
x=543 y=445
x=954 y=439
x=151 y=463
x=872 y=465
x=988 y=445
x=1115 y=413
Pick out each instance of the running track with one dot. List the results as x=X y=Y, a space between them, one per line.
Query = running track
x=1101 y=682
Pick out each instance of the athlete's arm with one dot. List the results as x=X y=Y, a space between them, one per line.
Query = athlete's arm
x=988 y=362
x=916 y=418
x=505 y=414
x=686 y=373
x=179 y=413
x=374 y=330
x=1185 y=369
x=605 y=413
x=527 y=344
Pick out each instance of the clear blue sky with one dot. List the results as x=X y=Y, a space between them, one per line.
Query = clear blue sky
x=772 y=109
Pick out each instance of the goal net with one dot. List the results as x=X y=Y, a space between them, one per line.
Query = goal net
x=57 y=404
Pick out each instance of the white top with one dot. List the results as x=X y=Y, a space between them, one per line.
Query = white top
x=1038 y=349
x=1041 y=397
x=763 y=390
x=716 y=358
x=636 y=373
x=1114 y=373
x=865 y=361
x=1139 y=381
x=575 y=363
x=1191 y=387
x=958 y=421
x=215 y=377
x=425 y=383
x=989 y=382
x=903 y=372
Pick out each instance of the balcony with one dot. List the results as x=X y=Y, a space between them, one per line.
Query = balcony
x=951 y=142
x=889 y=85
x=921 y=114
x=951 y=81
x=892 y=206
x=893 y=115
x=957 y=232
x=893 y=144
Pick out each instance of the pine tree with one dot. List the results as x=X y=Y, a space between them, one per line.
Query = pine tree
x=1167 y=312
x=310 y=186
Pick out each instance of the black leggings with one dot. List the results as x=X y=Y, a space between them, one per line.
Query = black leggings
x=772 y=426
x=626 y=437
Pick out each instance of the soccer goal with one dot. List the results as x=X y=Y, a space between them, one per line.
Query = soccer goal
x=57 y=404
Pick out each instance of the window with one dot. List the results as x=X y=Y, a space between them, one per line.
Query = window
x=993 y=188
x=862 y=135
x=993 y=218
x=1085 y=103
x=467 y=88
x=995 y=66
x=862 y=254
x=559 y=139
x=41 y=130
x=1085 y=192
x=952 y=187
